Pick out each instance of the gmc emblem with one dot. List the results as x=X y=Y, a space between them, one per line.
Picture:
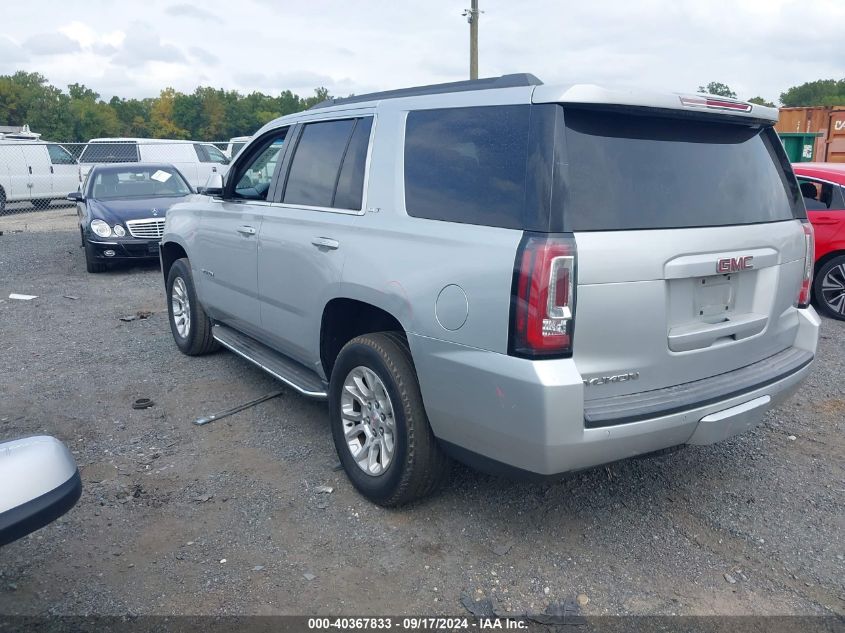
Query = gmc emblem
x=734 y=264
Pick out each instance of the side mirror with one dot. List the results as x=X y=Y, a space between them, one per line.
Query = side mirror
x=39 y=482
x=213 y=186
x=75 y=196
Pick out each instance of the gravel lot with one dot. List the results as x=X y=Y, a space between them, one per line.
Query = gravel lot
x=227 y=518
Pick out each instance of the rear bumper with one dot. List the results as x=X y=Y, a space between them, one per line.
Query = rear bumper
x=530 y=416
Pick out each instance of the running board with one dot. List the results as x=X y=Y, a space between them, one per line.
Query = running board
x=278 y=365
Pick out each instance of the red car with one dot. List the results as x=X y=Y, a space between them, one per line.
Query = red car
x=823 y=188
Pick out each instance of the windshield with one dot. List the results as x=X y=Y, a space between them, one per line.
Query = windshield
x=138 y=182
x=628 y=171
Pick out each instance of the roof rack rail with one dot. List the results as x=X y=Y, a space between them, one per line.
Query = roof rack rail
x=488 y=83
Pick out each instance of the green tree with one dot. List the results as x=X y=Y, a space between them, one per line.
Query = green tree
x=320 y=94
x=761 y=101
x=79 y=113
x=134 y=115
x=822 y=92
x=28 y=98
x=162 y=124
x=718 y=88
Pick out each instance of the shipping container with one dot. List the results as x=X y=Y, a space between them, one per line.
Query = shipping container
x=827 y=121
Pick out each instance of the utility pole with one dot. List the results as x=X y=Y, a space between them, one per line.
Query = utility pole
x=472 y=14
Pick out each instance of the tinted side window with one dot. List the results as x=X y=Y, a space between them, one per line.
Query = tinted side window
x=108 y=152
x=316 y=163
x=350 y=183
x=467 y=164
x=59 y=155
x=254 y=175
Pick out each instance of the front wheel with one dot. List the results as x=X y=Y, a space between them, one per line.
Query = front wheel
x=379 y=425
x=189 y=324
x=91 y=263
x=829 y=288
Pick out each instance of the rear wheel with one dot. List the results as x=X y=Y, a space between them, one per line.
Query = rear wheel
x=189 y=324
x=379 y=425
x=829 y=288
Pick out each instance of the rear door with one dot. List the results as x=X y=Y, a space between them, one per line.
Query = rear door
x=13 y=164
x=690 y=253
x=305 y=236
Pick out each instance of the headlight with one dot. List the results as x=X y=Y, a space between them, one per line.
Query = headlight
x=119 y=230
x=100 y=228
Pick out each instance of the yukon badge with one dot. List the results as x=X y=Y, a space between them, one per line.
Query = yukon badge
x=734 y=264
x=603 y=380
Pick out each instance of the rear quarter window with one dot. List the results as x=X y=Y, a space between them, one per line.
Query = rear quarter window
x=626 y=171
x=468 y=165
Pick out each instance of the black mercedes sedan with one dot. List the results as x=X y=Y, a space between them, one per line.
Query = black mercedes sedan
x=121 y=209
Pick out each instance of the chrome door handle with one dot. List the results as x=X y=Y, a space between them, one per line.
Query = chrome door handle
x=246 y=230
x=325 y=242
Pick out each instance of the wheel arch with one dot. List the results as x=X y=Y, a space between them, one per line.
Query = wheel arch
x=344 y=318
x=169 y=253
x=821 y=261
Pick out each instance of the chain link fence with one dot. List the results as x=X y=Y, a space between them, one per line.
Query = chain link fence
x=38 y=175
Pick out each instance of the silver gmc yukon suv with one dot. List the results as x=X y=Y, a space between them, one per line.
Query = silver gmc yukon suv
x=528 y=278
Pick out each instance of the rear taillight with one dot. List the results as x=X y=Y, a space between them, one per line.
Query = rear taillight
x=804 y=294
x=543 y=297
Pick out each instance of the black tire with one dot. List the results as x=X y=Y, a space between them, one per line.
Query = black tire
x=2 y=201
x=198 y=339
x=91 y=263
x=827 y=299
x=41 y=203
x=419 y=466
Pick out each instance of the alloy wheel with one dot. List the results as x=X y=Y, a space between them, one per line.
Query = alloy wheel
x=833 y=289
x=369 y=425
x=180 y=307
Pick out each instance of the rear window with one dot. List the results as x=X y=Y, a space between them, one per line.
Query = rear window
x=110 y=153
x=639 y=172
x=467 y=165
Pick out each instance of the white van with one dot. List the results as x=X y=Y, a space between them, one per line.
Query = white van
x=36 y=171
x=195 y=160
x=235 y=145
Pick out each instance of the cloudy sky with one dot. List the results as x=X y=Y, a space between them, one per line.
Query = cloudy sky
x=134 y=49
